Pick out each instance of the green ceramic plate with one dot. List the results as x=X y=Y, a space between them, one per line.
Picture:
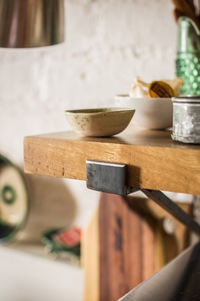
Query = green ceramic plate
x=13 y=199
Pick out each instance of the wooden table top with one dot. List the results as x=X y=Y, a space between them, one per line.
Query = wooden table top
x=154 y=160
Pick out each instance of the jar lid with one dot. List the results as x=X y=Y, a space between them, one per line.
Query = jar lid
x=187 y=99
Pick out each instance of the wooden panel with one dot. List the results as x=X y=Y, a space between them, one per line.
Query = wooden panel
x=125 y=244
x=167 y=246
x=173 y=166
x=90 y=258
x=125 y=259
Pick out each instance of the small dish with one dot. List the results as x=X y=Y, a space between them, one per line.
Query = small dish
x=63 y=240
x=151 y=113
x=64 y=243
x=99 y=122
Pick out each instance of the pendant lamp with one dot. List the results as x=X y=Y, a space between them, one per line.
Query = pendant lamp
x=31 y=23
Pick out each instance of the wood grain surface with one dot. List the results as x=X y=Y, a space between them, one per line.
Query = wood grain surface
x=90 y=258
x=125 y=243
x=154 y=160
x=127 y=247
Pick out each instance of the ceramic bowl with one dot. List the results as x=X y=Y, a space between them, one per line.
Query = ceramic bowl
x=99 y=122
x=151 y=113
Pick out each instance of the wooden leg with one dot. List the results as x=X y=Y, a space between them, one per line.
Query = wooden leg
x=121 y=246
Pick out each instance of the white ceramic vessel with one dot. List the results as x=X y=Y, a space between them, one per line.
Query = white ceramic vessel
x=151 y=113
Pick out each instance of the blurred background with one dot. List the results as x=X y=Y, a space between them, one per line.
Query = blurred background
x=108 y=43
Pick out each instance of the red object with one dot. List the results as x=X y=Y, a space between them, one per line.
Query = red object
x=69 y=237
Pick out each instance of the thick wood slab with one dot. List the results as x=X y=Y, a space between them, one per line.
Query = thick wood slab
x=154 y=160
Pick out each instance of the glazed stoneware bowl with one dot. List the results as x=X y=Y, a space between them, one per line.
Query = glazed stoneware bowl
x=151 y=113
x=99 y=122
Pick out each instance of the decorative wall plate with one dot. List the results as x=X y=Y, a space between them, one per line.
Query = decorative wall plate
x=13 y=199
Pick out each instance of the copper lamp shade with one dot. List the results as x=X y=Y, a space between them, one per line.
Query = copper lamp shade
x=31 y=23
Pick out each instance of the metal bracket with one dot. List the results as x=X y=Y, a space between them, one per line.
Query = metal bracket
x=106 y=177
x=111 y=178
x=161 y=199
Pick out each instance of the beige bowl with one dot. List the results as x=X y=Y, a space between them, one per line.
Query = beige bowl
x=151 y=113
x=99 y=122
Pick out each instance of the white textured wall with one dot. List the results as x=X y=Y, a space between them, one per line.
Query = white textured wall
x=108 y=43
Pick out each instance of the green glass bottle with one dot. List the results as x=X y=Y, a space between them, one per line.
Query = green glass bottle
x=188 y=56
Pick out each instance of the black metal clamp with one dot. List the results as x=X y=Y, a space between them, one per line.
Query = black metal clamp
x=111 y=178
